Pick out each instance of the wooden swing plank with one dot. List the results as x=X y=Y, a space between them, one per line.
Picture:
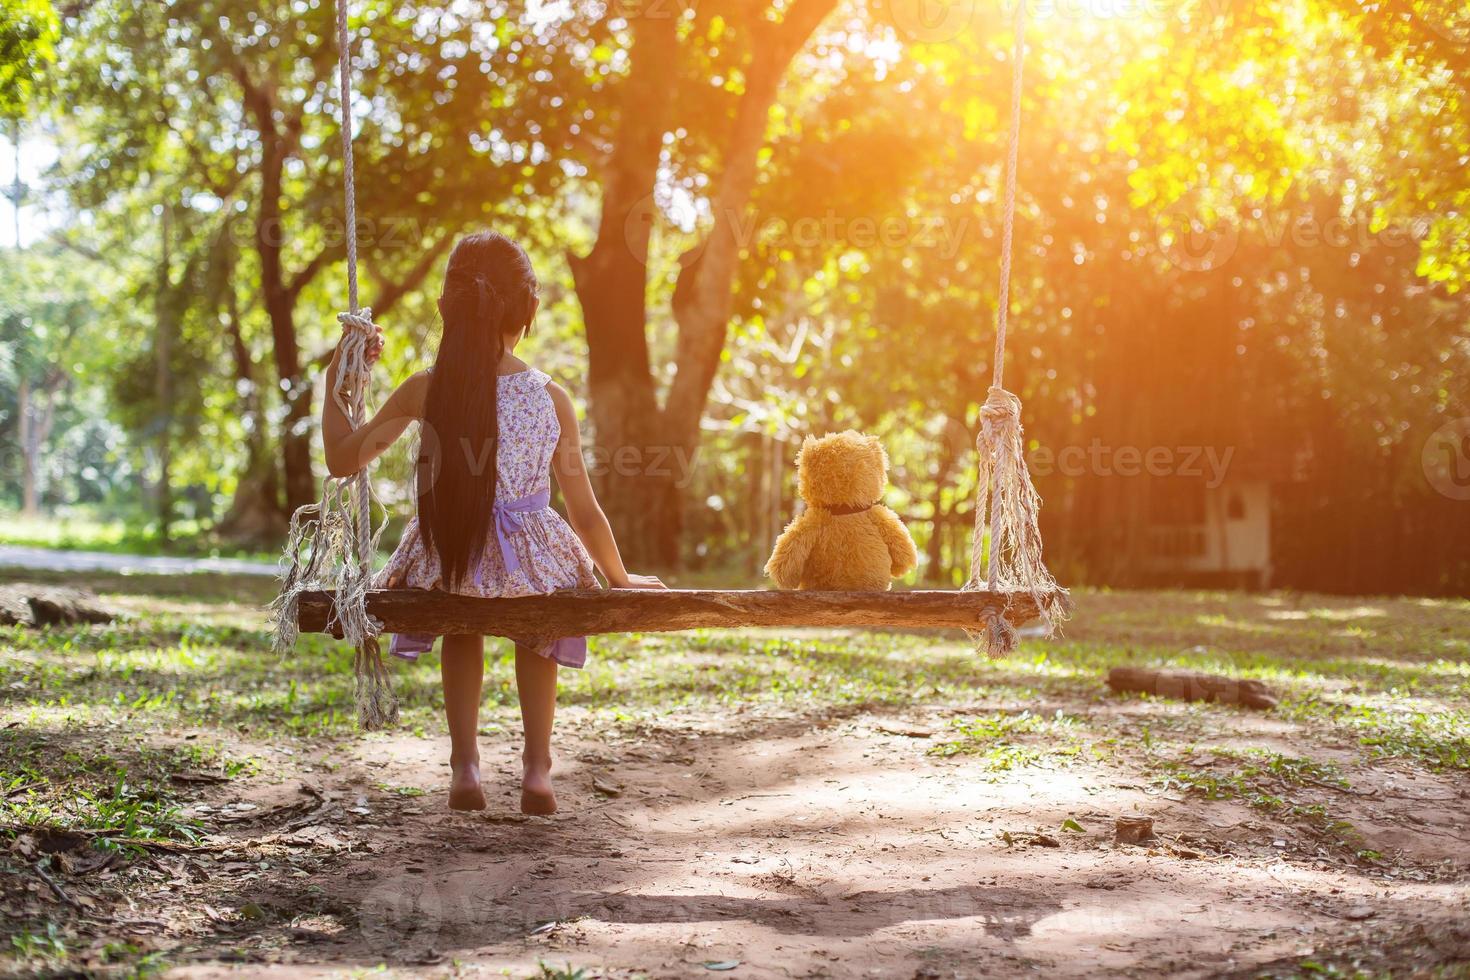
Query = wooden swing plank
x=583 y=613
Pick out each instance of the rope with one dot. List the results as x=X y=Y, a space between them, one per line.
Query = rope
x=1008 y=222
x=331 y=544
x=349 y=178
x=363 y=323
x=1007 y=236
x=1004 y=491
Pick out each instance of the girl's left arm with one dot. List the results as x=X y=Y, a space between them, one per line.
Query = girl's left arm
x=583 y=511
x=349 y=450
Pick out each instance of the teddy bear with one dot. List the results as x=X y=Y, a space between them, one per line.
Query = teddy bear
x=845 y=539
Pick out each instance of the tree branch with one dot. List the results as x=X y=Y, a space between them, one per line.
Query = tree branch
x=313 y=267
x=391 y=293
x=702 y=293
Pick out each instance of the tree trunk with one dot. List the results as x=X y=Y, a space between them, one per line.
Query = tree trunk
x=703 y=295
x=934 y=548
x=256 y=515
x=645 y=450
x=280 y=306
x=36 y=406
x=30 y=456
x=163 y=311
x=632 y=467
x=278 y=138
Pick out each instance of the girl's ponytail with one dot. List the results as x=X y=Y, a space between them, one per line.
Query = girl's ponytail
x=489 y=294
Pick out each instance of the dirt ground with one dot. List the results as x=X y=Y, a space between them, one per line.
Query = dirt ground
x=836 y=849
x=826 y=840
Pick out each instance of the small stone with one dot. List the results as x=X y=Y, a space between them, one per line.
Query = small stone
x=1133 y=828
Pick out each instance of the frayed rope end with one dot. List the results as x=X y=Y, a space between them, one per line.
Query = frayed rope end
x=377 y=705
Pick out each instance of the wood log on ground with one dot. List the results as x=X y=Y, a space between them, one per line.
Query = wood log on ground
x=22 y=604
x=1191 y=686
x=583 y=613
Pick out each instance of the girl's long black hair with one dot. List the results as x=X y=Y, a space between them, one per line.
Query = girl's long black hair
x=489 y=292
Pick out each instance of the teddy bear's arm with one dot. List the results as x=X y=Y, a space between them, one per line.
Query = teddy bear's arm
x=793 y=547
x=900 y=546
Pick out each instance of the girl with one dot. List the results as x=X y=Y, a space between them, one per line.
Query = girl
x=492 y=429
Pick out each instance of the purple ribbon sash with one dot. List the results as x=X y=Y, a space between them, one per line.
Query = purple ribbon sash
x=510 y=520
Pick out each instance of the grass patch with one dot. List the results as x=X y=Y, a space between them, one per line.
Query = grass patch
x=1006 y=741
x=48 y=944
x=1265 y=781
x=67 y=780
x=81 y=531
x=1254 y=775
x=1437 y=736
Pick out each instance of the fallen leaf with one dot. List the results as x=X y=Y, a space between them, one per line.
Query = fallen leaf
x=316 y=836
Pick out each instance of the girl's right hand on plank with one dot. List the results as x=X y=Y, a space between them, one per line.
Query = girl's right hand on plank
x=639 y=582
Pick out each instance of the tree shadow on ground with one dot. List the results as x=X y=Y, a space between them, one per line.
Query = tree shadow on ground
x=402 y=914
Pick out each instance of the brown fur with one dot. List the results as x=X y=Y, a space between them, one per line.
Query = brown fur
x=823 y=550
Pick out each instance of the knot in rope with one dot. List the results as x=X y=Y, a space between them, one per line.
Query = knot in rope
x=1000 y=417
x=354 y=371
x=360 y=320
x=1006 y=549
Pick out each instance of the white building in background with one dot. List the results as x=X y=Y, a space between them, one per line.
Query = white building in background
x=1196 y=534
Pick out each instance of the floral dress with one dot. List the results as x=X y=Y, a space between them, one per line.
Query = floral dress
x=531 y=550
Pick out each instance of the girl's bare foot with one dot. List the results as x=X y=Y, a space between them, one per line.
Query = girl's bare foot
x=464 y=787
x=537 y=797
